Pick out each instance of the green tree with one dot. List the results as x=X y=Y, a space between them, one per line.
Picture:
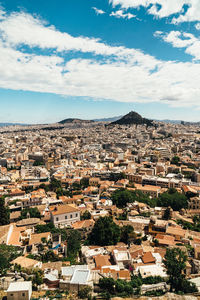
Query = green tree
x=4 y=212
x=38 y=163
x=54 y=185
x=49 y=256
x=4 y=263
x=167 y=214
x=84 y=182
x=33 y=212
x=152 y=279
x=73 y=243
x=84 y=292
x=175 y=263
x=28 y=189
x=175 y=160
x=76 y=186
x=40 y=247
x=37 y=279
x=51 y=228
x=86 y=215
x=156 y=242
x=173 y=199
x=123 y=216
x=136 y=281
x=105 y=232
x=7 y=254
x=123 y=196
x=117 y=287
x=127 y=234
x=105 y=295
x=117 y=176
x=43 y=240
x=107 y=284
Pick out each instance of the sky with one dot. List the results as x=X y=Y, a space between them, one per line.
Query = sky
x=99 y=58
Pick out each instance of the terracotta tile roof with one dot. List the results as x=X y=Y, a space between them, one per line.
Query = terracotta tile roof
x=36 y=238
x=175 y=231
x=137 y=253
x=187 y=188
x=152 y=188
x=83 y=224
x=57 y=265
x=24 y=262
x=15 y=236
x=165 y=239
x=102 y=260
x=16 y=192
x=63 y=209
x=4 y=233
x=148 y=258
x=15 y=215
x=122 y=274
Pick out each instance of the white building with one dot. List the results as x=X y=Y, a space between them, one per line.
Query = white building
x=64 y=215
x=151 y=270
x=75 y=277
x=19 y=290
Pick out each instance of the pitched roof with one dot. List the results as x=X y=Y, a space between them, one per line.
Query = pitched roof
x=19 y=286
x=63 y=209
x=83 y=224
x=36 y=238
x=164 y=239
x=14 y=238
x=24 y=262
x=4 y=233
x=175 y=231
x=148 y=258
x=121 y=274
x=102 y=260
x=57 y=265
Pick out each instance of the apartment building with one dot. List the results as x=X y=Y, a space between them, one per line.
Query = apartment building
x=64 y=215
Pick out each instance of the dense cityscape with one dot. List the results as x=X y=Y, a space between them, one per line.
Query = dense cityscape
x=99 y=210
x=99 y=149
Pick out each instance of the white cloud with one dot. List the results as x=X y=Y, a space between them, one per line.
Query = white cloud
x=23 y=29
x=2 y=13
x=197 y=26
x=121 y=14
x=182 y=40
x=122 y=74
x=98 y=11
x=165 y=8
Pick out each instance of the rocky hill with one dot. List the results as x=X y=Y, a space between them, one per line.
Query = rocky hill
x=74 y=121
x=133 y=118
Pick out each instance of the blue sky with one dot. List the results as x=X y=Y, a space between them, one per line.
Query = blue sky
x=99 y=58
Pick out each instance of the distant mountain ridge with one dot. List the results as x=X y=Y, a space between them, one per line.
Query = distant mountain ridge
x=169 y=121
x=133 y=118
x=75 y=121
x=111 y=119
x=130 y=118
x=12 y=124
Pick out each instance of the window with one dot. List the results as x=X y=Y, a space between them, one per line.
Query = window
x=23 y=294
x=11 y=295
x=71 y=216
x=65 y=217
x=76 y=215
x=57 y=219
